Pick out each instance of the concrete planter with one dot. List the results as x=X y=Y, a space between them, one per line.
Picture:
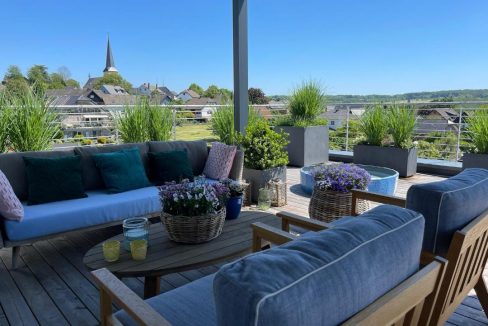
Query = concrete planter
x=308 y=146
x=472 y=160
x=402 y=160
x=259 y=178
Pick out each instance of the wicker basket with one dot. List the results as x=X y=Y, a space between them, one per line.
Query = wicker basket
x=277 y=189
x=194 y=229
x=328 y=205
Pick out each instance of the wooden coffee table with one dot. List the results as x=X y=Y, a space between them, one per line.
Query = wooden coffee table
x=165 y=256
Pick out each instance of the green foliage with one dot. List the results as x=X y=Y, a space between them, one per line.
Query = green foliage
x=113 y=78
x=264 y=148
x=86 y=142
x=401 y=122
x=33 y=124
x=57 y=81
x=222 y=123
x=39 y=78
x=144 y=122
x=337 y=138
x=428 y=150
x=374 y=125
x=226 y=95
x=257 y=96
x=72 y=83
x=306 y=104
x=4 y=122
x=212 y=91
x=196 y=88
x=477 y=128
x=13 y=72
x=103 y=140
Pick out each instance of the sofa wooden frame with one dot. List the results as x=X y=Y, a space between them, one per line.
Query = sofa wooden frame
x=467 y=256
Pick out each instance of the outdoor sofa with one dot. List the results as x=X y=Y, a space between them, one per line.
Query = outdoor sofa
x=99 y=209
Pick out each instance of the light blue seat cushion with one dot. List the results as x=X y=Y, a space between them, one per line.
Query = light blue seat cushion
x=189 y=305
x=325 y=278
x=448 y=206
x=98 y=208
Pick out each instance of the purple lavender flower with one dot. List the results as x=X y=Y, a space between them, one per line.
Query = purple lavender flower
x=341 y=177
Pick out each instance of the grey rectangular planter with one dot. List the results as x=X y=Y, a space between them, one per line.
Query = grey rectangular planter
x=400 y=159
x=472 y=160
x=259 y=178
x=308 y=145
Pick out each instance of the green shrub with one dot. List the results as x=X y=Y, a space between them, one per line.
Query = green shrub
x=4 y=122
x=222 y=123
x=102 y=140
x=374 y=125
x=32 y=123
x=144 y=122
x=477 y=128
x=401 y=124
x=264 y=148
x=307 y=103
x=86 y=142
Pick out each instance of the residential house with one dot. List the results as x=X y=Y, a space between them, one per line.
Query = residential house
x=188 y=95
x=439 y=119
x=113 y=90
x=202 y=107
x=337 y=115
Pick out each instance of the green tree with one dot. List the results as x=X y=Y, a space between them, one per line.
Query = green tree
x=257 y=96
x=113 y=78
x=56 y=81
x=227 y=96
x=196 y=88
x=212 y=91
x=13 y=72
x=39 y=78
x=15 y=82
x=72 y=83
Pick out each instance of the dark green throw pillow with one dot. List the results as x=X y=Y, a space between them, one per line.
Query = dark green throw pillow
x=53 y=179
x=122 y=171
x=169 y=166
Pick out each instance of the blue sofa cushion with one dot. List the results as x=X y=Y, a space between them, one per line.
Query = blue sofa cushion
x=448 y=206
x=189 y=305
x=324 y=278
x=98 y=208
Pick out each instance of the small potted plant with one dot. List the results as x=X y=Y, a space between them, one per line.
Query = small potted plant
x=308 y=133
x=331 y=197
x=265 y=157
x=477 y=130
x=234 y=204
x=380 y=123
x=193 y=212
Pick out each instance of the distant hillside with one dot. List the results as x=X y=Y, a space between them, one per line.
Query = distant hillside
x=450 y=95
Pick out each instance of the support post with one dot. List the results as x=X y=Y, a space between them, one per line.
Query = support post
x=241 y=100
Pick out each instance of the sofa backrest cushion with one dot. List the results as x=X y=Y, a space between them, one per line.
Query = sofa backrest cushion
x=92 y=179
x=448 y=206
x=196 y=150
x=13 y=166
x=323 y=278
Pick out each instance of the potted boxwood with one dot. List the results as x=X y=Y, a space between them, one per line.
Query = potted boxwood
x=234 y=203
x=308 y=133
x=265 y=156
x=477 y=129
x=378 y=122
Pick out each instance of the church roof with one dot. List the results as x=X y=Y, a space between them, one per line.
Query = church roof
x=109 y=63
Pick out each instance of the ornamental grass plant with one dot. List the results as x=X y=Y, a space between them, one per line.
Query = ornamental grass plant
x=374 y=125
x=477 y=130
x=401 y=123
x=222 y=123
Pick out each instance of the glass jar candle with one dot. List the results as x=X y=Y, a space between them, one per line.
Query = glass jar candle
x=264 y=199
x=135 y=228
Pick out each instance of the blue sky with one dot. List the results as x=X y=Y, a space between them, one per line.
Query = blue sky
x=351 y=46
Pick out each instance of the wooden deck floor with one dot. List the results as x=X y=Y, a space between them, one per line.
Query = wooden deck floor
x=52 y=287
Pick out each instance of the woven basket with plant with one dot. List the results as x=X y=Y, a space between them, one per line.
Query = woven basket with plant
x=193 y=212
x=331 y=197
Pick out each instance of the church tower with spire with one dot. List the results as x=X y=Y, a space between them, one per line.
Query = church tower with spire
x=109 y=64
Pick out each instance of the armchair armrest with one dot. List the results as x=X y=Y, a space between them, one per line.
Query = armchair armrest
x=375 y=197
x=113 y=290
x=288 y=219
x=261 y=231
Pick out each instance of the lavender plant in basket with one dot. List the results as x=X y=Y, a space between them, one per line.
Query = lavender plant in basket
x=341 y=177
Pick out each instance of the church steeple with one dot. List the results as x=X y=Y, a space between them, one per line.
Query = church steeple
x=109 y=65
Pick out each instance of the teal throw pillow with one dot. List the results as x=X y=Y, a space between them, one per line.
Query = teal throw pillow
x=122 y=171
x=53 y=179
x=169 y=166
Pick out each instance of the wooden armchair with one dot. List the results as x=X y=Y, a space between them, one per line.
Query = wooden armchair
x=467 y=257
x=410 y=303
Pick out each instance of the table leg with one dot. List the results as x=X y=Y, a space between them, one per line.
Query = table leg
x=151 y=286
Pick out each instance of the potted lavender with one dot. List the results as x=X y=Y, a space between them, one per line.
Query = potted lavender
x=234 y=204
x=193 y=212
x=331 y=197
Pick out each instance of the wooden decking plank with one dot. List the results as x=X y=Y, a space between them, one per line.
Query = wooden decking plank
x=175 y=279
x=40 y=303
x=68 y=303
x=192 y=275
x=13 y=303
x=83 y=288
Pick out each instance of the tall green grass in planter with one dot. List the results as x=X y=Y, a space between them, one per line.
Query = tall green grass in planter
x=374 y=124
x=477 y=129
x=401 y=124
x=160 y=123
x=222 y=123
x=32 y=123
x=4 y=122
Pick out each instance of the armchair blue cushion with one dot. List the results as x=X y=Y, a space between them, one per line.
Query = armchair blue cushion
x=448 y=206
x=323 y=278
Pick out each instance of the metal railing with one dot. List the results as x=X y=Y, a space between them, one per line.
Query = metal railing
x=440 y=131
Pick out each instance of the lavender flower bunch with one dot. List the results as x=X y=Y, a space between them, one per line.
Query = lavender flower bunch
x=235 y=187
x=341 y=177
x=193 y=198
